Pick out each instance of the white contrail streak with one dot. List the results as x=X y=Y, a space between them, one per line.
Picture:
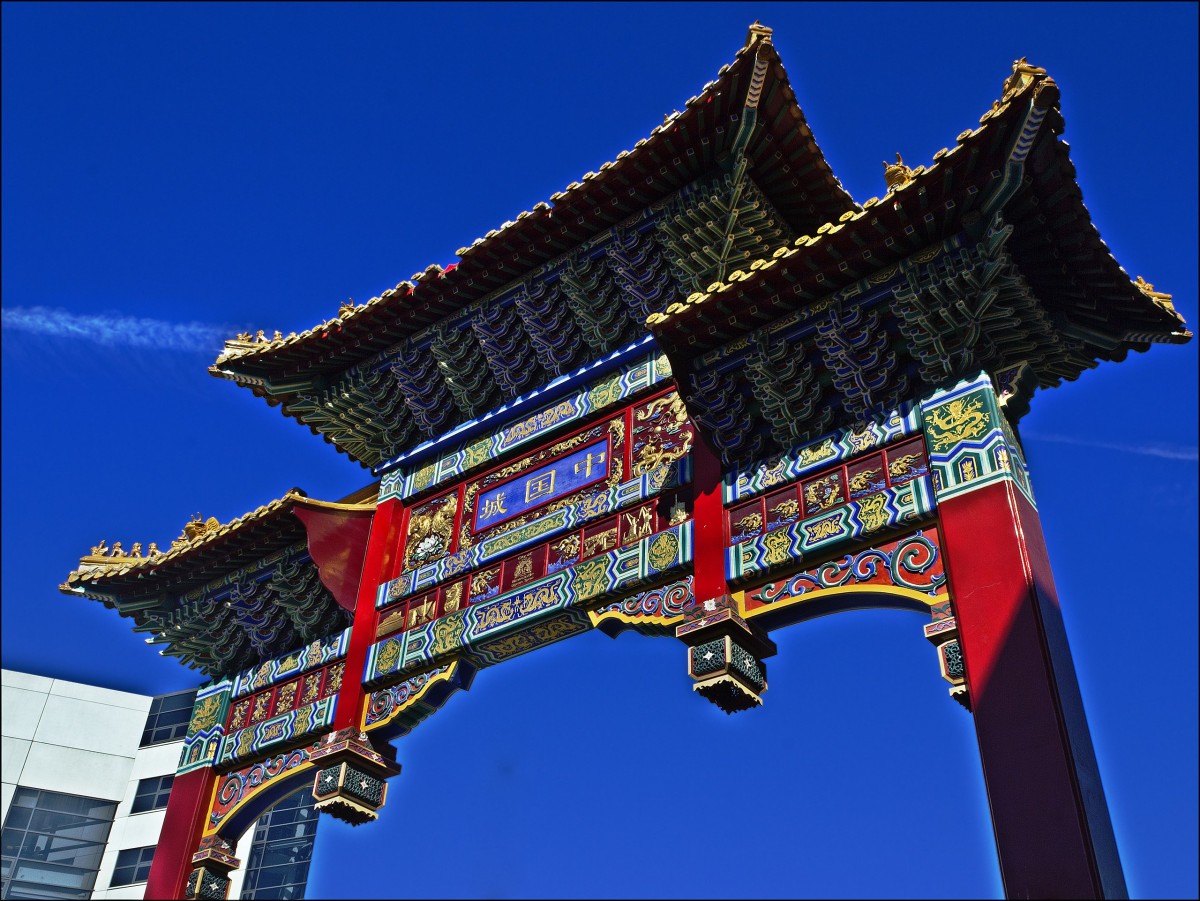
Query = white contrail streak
x=118 y=331
x=1166 y=451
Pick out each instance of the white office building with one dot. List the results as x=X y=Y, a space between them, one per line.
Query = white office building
x=86 y=776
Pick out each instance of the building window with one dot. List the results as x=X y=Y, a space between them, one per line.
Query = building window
x=52 y=844
x=152 y=794
x=277 y=866
x=168 y=718
x=133 y=865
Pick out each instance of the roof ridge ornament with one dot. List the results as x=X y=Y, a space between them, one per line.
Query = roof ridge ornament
x=896 y=174
x=1160 y=299
x=1024 y=73
x=758 y=33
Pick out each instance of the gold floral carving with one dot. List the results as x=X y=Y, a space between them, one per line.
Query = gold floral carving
x=432 y=521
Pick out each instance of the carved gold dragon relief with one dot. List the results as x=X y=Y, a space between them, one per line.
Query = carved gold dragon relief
x=959 y=420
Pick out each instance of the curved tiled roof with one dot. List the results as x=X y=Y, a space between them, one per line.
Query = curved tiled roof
x=788 y=166
x=216 y=550
x=1055 y=243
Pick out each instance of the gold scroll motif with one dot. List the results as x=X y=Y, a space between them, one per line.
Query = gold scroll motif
x=872 y=511
x=777 y=546
x=514 y=608
x=663 y=551
x=659 y=449
x=452 y=597
x=823 y=493
x=959 y=420
x=591 y=578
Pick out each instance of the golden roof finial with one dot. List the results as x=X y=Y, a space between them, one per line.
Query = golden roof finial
x=1161 y=299
x=348 y=307
x=897 y=174
x=758 y=32
x=1023 y=72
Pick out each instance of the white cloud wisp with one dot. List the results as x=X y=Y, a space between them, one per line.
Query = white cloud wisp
x=117 y=331
x=1165 y=451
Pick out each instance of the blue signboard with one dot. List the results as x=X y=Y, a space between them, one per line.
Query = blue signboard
x=541 y=486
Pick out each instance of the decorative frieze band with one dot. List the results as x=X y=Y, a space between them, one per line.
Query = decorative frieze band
x=743 y=483
x=606 y=392
x=624 y=495
x=970 y=441
x=576 y=587
x=822 y=533
x=269 y=672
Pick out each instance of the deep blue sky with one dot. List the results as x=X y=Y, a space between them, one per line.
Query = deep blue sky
x=226 y=167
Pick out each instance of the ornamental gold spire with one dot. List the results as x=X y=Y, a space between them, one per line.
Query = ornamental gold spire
x=896 y=174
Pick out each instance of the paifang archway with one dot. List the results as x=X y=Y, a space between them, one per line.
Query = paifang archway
x=705 y=394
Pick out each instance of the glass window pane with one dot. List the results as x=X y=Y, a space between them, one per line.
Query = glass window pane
x=53 y=844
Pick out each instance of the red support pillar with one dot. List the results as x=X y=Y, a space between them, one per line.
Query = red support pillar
x=708 y=523
x=191 y=794
x=382 y=559
x=1054 y=837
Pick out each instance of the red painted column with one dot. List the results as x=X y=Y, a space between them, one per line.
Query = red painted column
x=187 y=807
x=1054 y=837
x=382 y=561
x=708 y=523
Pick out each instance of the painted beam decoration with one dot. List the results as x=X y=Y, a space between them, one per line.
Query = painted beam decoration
x=971 y=443
x=566 y=594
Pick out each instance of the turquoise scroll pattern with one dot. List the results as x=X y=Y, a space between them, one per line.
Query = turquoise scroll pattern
x=283 y=729
x=269 y=672
x=408 y=703
x=626 y=494
x=570 y=591
x=206 y=727
x=742 y=484
x=820 y=534
x=970 y=441
x=604 y=393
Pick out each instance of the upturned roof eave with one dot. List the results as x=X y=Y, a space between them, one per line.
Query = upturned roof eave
x=359 y=332
x=687 y=324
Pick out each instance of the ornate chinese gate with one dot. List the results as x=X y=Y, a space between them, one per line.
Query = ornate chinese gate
x=704 y=395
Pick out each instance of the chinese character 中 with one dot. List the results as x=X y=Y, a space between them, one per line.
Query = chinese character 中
x=588 y=463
